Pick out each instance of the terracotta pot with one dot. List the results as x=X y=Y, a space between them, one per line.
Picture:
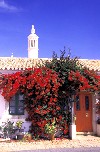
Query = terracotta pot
x=51 y=136
x=28 y=137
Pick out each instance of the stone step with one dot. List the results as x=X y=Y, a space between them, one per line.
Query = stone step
x=84 y=133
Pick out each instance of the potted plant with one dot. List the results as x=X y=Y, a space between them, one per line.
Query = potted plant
x=50 y=129
x=27 y=137
x=19 y=124
x=8 y=129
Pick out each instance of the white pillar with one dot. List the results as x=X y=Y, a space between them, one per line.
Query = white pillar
x=94 y=97
x=72 y=131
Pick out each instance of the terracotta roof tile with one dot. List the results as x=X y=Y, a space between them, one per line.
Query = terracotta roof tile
x=91 y=64
x=18 y=63
x=15 y=63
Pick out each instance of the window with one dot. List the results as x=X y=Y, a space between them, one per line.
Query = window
x=86 y=102
x=31 y=43
x=77 y=103
x=16 y=105
x=34 y=43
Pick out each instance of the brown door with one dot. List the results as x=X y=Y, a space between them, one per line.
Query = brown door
x=83 y=111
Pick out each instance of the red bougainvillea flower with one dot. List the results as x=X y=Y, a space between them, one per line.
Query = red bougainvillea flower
x=40 y=87
x=65 y=131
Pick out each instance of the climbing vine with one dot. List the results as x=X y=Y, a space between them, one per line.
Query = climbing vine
x=47 y=90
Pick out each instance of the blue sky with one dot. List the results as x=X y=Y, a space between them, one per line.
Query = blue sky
x=74 y=24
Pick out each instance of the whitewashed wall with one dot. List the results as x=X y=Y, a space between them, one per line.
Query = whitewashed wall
x=4 y=115
x=4 y=110
x=95 y=115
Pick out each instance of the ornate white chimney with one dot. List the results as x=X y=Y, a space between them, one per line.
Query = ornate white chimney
x=33 y=44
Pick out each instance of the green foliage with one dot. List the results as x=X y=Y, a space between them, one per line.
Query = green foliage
x=50 y=127
x=8 y=128
x=19 y=124
x=63 y=66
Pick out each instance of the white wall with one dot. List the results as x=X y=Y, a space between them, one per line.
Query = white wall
x=95 y=115
x=4 y=115
x=4 y=110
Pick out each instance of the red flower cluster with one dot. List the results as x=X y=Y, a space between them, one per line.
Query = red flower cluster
x=88 y=80
x=40 y=87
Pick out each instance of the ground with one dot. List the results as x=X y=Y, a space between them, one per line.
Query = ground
x=83 y=143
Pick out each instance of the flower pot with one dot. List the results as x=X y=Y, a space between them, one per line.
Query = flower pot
x=28 y=137
x=20 y=136
x=51 y=136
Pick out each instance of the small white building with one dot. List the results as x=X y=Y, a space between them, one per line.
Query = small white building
x=84 y=109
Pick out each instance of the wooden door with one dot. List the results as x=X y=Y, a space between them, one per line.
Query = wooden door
x=83 y=111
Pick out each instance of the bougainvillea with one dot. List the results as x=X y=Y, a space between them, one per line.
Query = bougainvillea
x=40 y=87
x=75 y=78
x=74 y=75
x=87 y=80
x=47 y=90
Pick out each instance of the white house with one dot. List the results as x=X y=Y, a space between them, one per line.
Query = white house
x=84 y=109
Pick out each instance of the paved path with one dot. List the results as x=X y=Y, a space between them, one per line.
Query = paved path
x=81 y=144
x=95 y=149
